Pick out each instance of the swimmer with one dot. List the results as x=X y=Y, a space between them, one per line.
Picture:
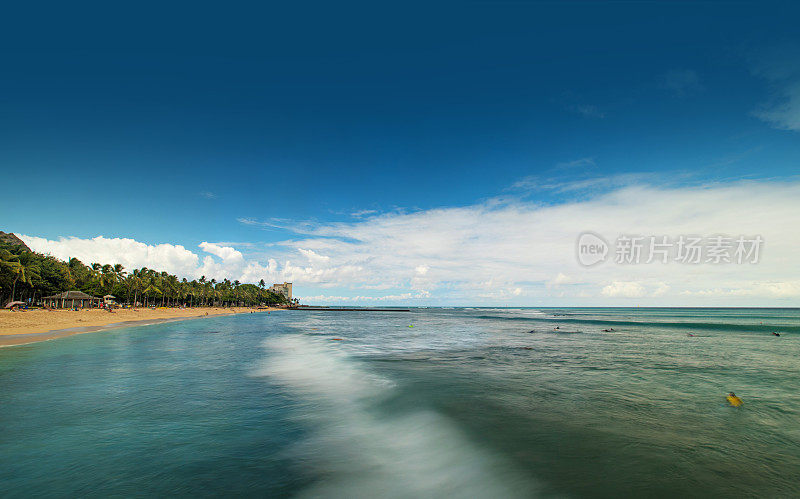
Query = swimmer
x=776 y=334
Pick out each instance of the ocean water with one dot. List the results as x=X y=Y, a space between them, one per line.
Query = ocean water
x=430 y=403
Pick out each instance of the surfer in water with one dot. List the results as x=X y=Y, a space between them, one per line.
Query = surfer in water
x=734 y=400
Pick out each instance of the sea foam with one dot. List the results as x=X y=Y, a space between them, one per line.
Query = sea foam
x=360 y=451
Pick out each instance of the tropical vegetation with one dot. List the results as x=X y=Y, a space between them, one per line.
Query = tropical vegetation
x=29 y=276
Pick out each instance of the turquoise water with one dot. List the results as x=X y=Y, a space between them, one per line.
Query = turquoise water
x=466 y=403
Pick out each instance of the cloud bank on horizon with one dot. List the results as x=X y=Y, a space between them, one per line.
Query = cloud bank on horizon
x=504 y=251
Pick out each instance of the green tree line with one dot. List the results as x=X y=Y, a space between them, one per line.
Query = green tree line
x=29 y=275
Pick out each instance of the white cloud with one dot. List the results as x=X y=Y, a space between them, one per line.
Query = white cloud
x=224 y=252
x=512 y=252
x=624 y=289
x=359 y=299
x=661 y=290
x=560 y=279
x=314 y=257
x=489 y=250
x=128 y=252
x=780 y=289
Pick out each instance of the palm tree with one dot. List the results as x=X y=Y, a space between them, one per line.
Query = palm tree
x=10 y=261
x=119 y=270
x=25 y=269
x=137 y=281
x=183 y=290
x=262 y=285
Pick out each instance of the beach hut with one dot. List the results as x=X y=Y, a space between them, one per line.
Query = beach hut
x=69 y=298
x=109 y=299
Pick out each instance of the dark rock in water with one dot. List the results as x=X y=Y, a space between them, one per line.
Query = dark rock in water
x=776 y=334
x=527 y=348
x=212 y=332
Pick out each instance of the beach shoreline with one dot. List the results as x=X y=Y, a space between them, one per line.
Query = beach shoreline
x=22 y=328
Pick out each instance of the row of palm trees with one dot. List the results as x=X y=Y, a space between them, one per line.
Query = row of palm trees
x=26 y=275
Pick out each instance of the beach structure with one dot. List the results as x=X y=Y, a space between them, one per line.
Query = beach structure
x=71 y=299
x=109 y=299
x=284 y=289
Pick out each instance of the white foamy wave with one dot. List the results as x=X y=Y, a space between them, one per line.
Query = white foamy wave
x=359 y=451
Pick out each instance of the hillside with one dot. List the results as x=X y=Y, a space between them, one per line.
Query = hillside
x=12 y=239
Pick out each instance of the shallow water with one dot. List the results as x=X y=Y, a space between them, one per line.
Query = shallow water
x=466 y=403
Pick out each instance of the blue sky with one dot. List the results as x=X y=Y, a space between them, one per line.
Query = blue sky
x=247 y=126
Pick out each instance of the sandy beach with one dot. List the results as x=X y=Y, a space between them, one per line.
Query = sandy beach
x=18 y=328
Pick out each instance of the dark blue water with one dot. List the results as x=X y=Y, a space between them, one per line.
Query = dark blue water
x=466 y=403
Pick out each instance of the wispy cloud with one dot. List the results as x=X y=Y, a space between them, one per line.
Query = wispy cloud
x=585 y=184
x=208 y=195
x=586 y=110
x=302 y=226
x=363 y=213
x=577 y=163
x=681 y=82
x=781 y=69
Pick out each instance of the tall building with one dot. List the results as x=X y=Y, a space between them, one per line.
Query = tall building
x=284 y=289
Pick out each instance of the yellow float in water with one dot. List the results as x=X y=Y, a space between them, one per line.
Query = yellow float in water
x=734 y=400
